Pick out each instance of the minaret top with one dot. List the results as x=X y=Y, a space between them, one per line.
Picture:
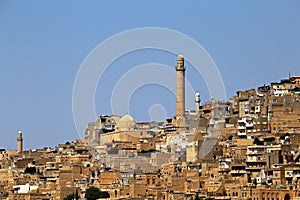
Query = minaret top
x=20 y=134
x=197 y=97
x=180 y=58
x=180 y=63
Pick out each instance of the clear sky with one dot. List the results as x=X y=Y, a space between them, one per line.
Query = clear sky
x=43 y=43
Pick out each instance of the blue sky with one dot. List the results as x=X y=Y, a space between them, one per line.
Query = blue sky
x=43 y=43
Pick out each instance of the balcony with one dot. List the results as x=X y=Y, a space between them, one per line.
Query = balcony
x=255 y=167
x=243 y=171
x=242 y=134
x=241 y=127
x=254 y=153
x=255 y=159
x=221 y=169
x=248 y=125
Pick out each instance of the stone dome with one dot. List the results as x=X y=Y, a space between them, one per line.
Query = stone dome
x=126 y=123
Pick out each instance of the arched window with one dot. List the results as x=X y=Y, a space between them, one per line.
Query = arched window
x=277 y=196
x=287 y=197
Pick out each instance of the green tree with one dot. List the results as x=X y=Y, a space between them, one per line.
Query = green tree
x=71 y=196
x=93 y=193
x=257 y=141
x=104 y=194
x=197 y=197
x=30 y=170
x=270 y=139
x=282 y=137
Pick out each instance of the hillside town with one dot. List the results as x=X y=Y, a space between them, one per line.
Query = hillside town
x=245 y=148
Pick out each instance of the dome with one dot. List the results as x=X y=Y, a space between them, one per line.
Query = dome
x=126 y=122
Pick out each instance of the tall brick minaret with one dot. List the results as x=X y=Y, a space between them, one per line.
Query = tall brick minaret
x=180 y=87
x=20 y=142
x=197 y=102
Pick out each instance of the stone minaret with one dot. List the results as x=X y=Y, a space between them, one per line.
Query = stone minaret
x=180 y=87
x=197 y=102
x=20 y=141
